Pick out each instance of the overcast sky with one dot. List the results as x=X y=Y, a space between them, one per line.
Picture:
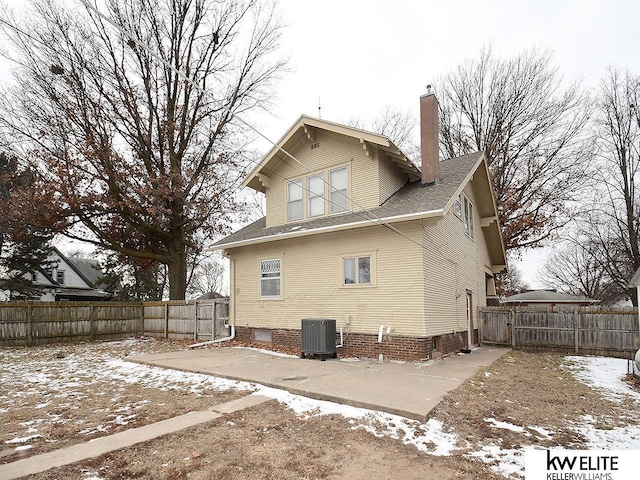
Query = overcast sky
x=358 y=56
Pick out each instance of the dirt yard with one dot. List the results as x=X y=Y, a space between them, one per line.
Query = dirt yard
x=52 y=397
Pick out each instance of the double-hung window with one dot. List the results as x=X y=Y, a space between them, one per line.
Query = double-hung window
x=357 y=270
x=318 y=194
x=315 y=195
x=295 y=210
x=271 y=278
x=468 y=217
x=338 y=190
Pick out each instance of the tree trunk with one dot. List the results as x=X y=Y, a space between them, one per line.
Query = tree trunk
x=178 y=275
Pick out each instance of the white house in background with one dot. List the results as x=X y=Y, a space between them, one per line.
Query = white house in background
x=70 y=279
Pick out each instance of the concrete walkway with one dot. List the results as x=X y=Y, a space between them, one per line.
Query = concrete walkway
x=411 y=390
x=102 y=445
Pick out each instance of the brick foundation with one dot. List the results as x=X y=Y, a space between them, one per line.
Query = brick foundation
x=367 y=346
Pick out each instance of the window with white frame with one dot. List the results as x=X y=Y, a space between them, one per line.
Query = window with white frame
x=295 y=209
x=357 y=270
x=271 y=278
x=339 y=190
x=468 y=217
x=319 y=193
x=457 y=206
x=315 y=195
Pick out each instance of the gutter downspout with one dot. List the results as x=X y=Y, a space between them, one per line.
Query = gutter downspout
x=219 y=340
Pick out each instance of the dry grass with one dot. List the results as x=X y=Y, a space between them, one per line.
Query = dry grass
x=531 y=392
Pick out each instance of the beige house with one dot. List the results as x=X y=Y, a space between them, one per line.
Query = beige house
x=399 y=256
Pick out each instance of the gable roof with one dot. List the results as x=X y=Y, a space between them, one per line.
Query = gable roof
x=306 y=127
x=547 y=296
x=413 y=201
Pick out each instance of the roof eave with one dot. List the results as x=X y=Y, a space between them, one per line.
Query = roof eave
x=327 y=229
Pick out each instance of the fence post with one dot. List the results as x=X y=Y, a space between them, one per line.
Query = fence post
x=195 y=321
x=143 y=331
x=213 y=319
x=92 y=332
x=513 y=328
x=29 y=324
x=576 y=333
x=166 y=321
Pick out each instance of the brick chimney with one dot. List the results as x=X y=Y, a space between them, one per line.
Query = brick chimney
x=429 y=138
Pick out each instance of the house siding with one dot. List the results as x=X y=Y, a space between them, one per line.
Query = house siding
x=333 y=151
x=311 y=282
x=453 y=263
x=391 y=177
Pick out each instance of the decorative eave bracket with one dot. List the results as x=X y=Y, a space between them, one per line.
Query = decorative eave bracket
x=264 y=180
x=368 y=149
x=487 y=221
x=310 y=132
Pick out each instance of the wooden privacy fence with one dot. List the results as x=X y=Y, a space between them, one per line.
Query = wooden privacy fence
x=37 y=323
x=584 y=330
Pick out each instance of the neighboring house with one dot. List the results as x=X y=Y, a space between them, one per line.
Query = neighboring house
x=70 y=279
x=548 y=299
x=400 y=257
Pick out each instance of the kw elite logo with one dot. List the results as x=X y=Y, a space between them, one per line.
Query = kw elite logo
x=579 y=465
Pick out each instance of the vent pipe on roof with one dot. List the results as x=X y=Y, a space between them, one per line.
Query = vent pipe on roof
x=429 y=138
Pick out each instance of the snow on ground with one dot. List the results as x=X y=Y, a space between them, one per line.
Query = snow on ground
x=606 y=376
x=89 y=362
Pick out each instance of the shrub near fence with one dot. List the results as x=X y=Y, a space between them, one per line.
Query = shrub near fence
x=585 y=330
x=37 y=323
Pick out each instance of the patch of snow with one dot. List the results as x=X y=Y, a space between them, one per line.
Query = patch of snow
x=22 y=440
x=506 y=462
x=23 y=447
x=428 y=437
x=507 y=426
x=546 y=434
x=603 y=373
x=617 y=438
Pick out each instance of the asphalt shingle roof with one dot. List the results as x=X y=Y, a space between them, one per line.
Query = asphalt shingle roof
x=546 y=296
x=413 y=198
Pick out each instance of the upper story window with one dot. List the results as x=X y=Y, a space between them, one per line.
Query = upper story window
x=60 y=277
x=315 y=196
x=321 y=197
x=295 y=209
x=338 y=190
x=468 y=217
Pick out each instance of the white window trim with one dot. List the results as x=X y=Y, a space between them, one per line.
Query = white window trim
x=453 y=207
x=325 y=175
x=270 y=297
x=467 y=218
x=372 y=273
x=288 y=201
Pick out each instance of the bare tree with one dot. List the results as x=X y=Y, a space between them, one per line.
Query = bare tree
x=612 y=222
x=136 y=119
x=207 y=278
x=511 y=282
x=576 y=269
x=531 y=129
x=399 y=126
